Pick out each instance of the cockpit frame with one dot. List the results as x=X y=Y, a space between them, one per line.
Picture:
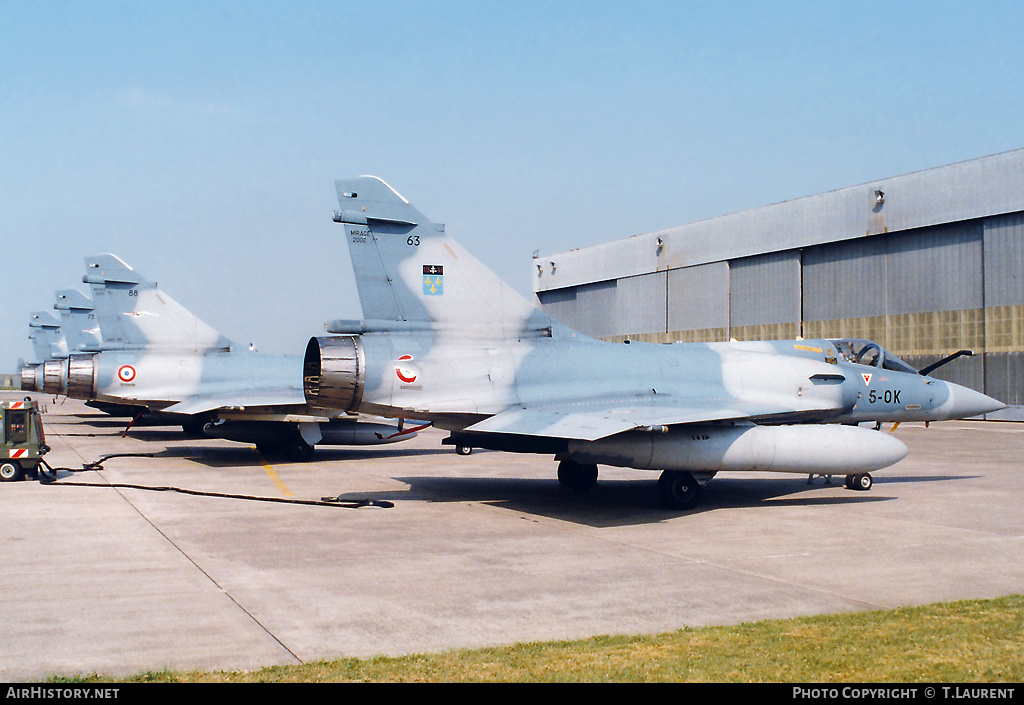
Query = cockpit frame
x=860 y=351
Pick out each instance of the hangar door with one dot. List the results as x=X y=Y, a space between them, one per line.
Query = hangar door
x=765 y=296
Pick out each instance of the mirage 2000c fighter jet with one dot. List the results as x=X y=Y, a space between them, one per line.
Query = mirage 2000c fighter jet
x=133 y=349
x=444 y=340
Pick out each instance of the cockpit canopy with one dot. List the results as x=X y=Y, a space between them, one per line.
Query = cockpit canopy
x=867 y=352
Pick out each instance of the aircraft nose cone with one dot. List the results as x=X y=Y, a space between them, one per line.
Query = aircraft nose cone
x=964 y=403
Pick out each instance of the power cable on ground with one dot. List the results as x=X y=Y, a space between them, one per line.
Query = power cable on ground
x=50 y=478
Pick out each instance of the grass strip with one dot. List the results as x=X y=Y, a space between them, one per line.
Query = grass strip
x=977 y=641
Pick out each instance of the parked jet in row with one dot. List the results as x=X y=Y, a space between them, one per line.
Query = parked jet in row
x=132 y=349
x=444 y=340
x=44 y=330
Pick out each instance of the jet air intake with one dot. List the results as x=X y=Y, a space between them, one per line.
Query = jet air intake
x=333 y=373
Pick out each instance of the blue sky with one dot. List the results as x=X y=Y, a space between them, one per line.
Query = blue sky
x=200 y=141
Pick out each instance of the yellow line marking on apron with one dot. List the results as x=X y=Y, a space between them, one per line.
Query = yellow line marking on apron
x=283 y=488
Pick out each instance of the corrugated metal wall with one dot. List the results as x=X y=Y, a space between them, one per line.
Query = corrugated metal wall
x=765 y=296
x=937 y=299
x=1004 y=255
x=641 y=304
x=845 y=280
x=587 y=308
x=698 y=301
x=1004 y=307
x=936 y=269
x=630 y=306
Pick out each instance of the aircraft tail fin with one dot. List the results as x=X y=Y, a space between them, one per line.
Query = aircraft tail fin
x=78 y=321
x=48 y=341
x=133 y=313
x=410 y=272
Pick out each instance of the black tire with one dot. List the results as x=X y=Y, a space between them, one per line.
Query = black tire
x=298 y=450
x=861 y=483
x=678 y=490
x=11 y=471
x=579 y=478
x=463 y=450
x=193 y=426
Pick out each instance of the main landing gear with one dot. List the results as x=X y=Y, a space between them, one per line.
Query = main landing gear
x=293 y=448
x=577 y=476
x=678 y=490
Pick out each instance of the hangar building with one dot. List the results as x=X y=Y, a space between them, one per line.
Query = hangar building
x=925 y=264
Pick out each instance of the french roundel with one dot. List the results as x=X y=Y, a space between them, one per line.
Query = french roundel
x=406 y=375
x=126 y=373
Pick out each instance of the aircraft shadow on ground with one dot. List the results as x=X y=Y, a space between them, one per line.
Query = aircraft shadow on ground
x=623 y=502
x=922 y=478
x=106 y=421
x=222 y=452
x=244 y=455
x=614 y=502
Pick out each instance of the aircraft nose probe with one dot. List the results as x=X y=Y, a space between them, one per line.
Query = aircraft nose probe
x=965 y=403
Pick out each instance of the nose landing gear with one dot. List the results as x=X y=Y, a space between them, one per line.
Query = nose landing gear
x=861 y=483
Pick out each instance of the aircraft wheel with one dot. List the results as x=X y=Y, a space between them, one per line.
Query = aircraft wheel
x=193 y=426
x=11 y=471
x=577 y=477
x=861 y=483
x=678 y=490
x=298 y=450
x=463 y=450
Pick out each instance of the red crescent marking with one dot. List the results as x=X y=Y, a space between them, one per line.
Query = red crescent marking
x=398 y=371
